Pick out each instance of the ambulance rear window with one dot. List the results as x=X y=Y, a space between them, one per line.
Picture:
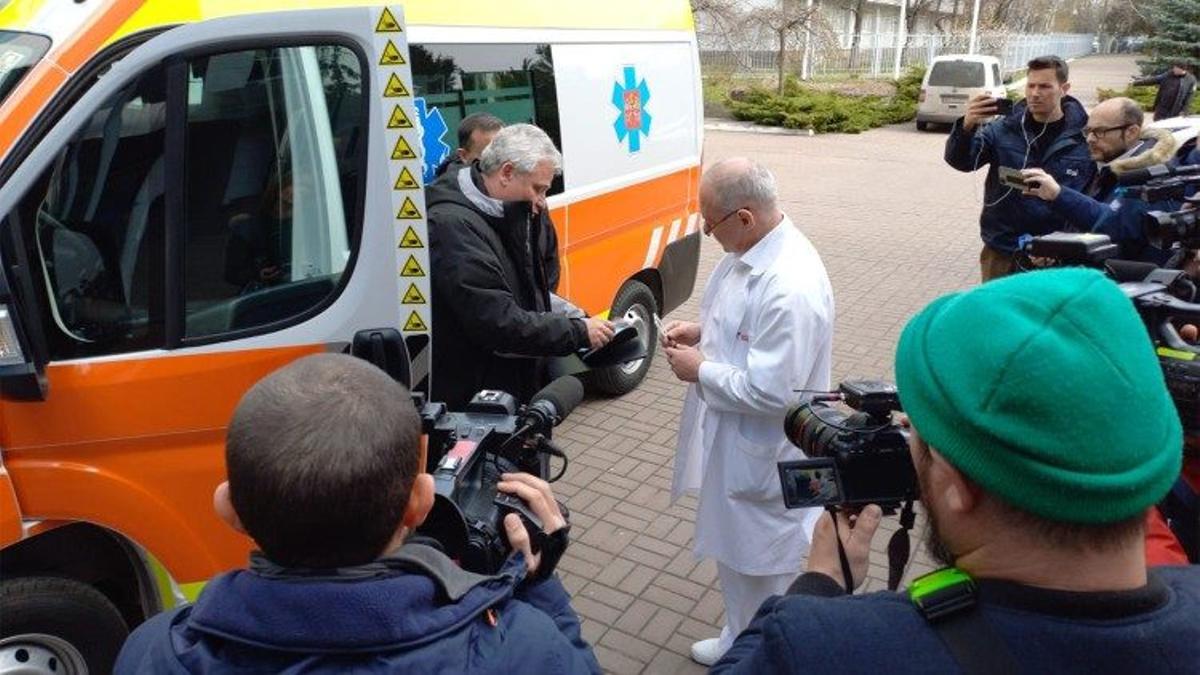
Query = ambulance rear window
x=19 y=52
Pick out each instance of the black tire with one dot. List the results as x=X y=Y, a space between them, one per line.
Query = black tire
x=922 y=126
x=618 y=380
x=67 y=609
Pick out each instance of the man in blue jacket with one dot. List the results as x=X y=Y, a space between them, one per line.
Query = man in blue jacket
x=1119 y=144
x=1041 y=434
x=1042 y=132
x=324 y=463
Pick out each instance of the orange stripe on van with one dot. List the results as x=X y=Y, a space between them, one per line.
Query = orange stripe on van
x=137 y=446
x=610 y=233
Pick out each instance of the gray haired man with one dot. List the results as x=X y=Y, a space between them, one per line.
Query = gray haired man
x=765 y=331
x=491 y=300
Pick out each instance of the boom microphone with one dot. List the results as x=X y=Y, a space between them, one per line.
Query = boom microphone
x=1140 y=176
x=552 y=404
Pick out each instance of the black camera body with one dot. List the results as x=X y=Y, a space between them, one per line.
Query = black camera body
x=864 y=453
x=1164 y=300
x=469 y=451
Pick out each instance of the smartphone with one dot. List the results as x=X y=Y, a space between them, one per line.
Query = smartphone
x=810 y=482
x=1004 y=106
x=1012 y=178
x=662 y=330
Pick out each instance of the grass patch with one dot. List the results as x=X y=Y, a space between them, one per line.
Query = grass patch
x=801 y=107
x=1144 y=95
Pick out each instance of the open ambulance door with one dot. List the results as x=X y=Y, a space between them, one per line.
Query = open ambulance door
x=191 y=212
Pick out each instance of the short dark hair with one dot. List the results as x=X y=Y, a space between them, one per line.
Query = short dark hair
x=479 y=121
x=322 y=455
x=1061 y=71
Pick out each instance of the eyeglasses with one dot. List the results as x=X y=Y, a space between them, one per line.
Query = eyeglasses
x=1100 y=131
x=709 y=228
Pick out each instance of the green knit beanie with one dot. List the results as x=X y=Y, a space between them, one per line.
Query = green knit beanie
x=1045 y=390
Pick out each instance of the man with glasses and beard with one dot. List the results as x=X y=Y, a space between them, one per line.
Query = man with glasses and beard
x=1119 y=144
x=1041 y=432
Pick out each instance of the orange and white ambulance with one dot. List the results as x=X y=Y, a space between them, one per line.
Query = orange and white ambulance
x=195 y=192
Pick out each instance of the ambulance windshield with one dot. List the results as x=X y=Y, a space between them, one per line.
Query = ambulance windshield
x=18 y=54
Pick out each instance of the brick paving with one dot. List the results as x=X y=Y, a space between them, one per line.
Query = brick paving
x=896 y=227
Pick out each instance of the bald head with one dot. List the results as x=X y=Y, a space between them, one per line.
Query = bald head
x=1119 y=110
x=738 y=183
x=739 y=203
x=1116 y=125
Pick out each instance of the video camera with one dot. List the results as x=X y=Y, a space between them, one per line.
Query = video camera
x=473 y=448
x=854 y=459
x=469 y=450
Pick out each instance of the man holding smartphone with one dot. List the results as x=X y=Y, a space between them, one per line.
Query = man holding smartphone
x=1042 y=131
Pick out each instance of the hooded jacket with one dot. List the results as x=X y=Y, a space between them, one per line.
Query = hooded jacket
x=491 y=295
x=1105 y=208
x=1007 y=215
x=414 y=613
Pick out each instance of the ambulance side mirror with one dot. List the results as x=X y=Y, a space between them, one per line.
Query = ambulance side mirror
x=20 y=377
x=22 y=349
x=385 y=348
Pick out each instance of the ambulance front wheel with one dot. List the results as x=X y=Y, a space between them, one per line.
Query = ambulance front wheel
x=635 y=303
x=57 y=625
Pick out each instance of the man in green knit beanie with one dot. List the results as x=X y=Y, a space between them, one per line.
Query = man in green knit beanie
x=1041 y=433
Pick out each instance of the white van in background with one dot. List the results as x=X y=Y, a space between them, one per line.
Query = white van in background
x=951 y=81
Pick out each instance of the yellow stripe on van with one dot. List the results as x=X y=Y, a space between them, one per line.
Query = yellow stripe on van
x=610 y=14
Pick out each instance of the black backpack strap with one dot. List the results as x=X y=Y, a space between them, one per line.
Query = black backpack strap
x=947 y=599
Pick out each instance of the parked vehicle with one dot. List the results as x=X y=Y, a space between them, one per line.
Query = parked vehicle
x=951 y=81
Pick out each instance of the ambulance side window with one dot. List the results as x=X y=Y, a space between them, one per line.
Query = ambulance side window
x=94 y=229
x=514 y=82
x=271 y=184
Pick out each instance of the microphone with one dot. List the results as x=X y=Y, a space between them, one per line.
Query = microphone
x=1140 y=176
x=552 y=404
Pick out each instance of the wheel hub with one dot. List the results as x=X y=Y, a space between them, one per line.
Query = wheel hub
x=39 y=654
x=640 y=319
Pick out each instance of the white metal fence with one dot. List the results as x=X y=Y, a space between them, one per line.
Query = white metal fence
x=875 y=53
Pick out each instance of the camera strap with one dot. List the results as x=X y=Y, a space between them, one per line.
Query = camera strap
x=948 y=601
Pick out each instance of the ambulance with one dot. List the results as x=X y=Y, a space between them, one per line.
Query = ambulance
x=195 y=192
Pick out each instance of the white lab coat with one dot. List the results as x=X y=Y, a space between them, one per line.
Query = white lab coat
x=766 y=330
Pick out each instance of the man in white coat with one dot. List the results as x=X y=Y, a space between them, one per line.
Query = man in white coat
x=765 y=331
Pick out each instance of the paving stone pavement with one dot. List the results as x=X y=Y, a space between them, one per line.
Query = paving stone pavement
x=896 y=228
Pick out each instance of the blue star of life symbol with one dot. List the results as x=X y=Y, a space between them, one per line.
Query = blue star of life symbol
x=433 y=129
x=633 y=121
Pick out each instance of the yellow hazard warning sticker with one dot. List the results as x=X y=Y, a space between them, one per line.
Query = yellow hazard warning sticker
x=405 y=181
x=391 y=56
x=411 y=239
x=412 y=268
x=399 y=120
x=403 y=150
x=388 y=23
x=395 y=87
x=413 y=296
x=415 y=324
x=408 y=210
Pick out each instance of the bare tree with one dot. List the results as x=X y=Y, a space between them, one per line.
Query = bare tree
x=856 y=37
x=788 y=18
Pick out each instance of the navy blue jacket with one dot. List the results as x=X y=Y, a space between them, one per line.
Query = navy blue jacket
x=1006 y=213
x=425 y=616
x=1154 y=629
x=1117 y=212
